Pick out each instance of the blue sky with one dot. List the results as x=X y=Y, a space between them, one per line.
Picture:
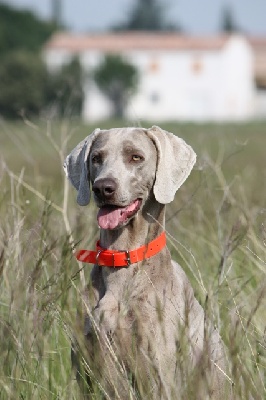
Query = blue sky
x=199 y=17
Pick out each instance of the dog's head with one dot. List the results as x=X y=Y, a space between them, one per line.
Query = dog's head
x=123 y=166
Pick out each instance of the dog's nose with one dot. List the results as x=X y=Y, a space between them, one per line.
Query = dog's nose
x=104 y=188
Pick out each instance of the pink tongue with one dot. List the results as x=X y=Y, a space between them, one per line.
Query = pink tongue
x=109 y=217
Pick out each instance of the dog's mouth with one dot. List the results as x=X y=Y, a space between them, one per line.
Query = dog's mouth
x=111 y=216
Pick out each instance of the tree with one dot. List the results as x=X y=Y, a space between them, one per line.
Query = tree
x=147 y=15
x=22 y=30
x=64 y=91
x=228 y=22
x=23 y=81
x=26 y=87
x=25 y=84
x=116 y=78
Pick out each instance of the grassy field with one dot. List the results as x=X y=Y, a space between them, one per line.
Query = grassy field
x=216 y=230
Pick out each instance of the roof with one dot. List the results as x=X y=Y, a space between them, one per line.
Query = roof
x=122 y=41
x=115 y=42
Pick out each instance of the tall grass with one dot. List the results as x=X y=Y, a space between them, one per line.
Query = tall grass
x=216 y=231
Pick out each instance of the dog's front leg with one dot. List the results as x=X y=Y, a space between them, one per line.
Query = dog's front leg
x=105 y=315
x=94 y=293
x=101 y=306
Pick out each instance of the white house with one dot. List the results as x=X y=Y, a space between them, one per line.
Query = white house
x=181 y=77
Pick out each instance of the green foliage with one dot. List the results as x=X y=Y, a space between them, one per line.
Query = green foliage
x=26 y=87
x=117 y=79
x=147 y=15
x=25 y=84
x=22 y=30
x=23 y=80
x=64 y=92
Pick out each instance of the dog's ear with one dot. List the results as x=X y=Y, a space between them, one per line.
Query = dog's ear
x=175 y=162
x=75 y=167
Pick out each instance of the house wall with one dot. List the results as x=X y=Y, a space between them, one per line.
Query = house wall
x=196 y=85
x=177 y=84
x=55 y=59
x=238 y=86
x=96 y=105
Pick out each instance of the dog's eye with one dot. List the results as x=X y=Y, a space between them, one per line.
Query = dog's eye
x=96 y=158
x=136 y=157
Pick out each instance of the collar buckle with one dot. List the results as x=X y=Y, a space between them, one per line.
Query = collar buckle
x=127 y=259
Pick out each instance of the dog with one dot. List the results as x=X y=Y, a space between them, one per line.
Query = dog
x=146 y=334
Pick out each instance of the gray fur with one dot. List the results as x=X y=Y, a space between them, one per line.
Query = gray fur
x=148 y=311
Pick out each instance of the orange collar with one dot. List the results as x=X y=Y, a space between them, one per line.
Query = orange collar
x=121 y=258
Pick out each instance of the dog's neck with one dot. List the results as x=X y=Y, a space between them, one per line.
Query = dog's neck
x=143 y=228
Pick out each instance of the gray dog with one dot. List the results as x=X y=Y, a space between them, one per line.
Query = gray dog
x=146 y=333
